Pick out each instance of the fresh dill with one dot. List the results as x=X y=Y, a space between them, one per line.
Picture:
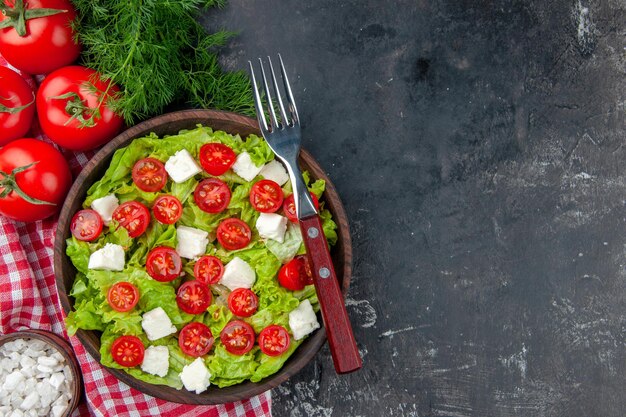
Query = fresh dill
x=157 y=52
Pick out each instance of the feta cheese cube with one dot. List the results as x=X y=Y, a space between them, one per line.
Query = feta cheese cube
x=245 y=168
x=191 y=242
x=30 y=400
x=12 y=380
x=110 y=258
x=157 y=324
x=276 y=172
x=238 y=274
x=302 y=320
x=181 y=166
x=156 y=360
x=59 y=410
x=105 y=206
x=272 y=226
x=57 y=379
x=196 y=376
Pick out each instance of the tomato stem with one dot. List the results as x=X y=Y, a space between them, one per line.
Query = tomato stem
x=17 y=15
x=14 y=110
x=9 y=184
x=77 y=110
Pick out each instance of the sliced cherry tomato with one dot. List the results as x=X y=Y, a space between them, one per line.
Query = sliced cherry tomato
x=167 y=209
x=149 y=175
x=17 y=105
x=274 y=340
x=195 y=339
x=233 y=234
x=127 y=351
x=208 y=269
x=243 y=302
x=163 y=264
x=212 y=195
x=132 y=216
x=193 y=297
x=237 y=337
x=295 y=274
x=86 y=225
x=289 y=207
x=266 y=196
x=123 y=296
x=216 y=158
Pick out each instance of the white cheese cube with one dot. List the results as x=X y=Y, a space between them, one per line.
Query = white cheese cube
x=276 y=172
x=58 y=410
x=57 y=379
x=302 y=320
x=156 y=360
x=238 y=274
x=157 y=324
x=181 y=166
x=191 y=242
x=245 y=168
x=110 y=258
x=12 y=380
x=272 y=226
x=105 y=206
x=196 y=376
x=30 y=400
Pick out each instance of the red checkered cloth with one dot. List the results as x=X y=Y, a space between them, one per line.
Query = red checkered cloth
x=29 y=300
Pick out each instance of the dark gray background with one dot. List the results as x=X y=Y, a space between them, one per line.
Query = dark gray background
x=478 y=147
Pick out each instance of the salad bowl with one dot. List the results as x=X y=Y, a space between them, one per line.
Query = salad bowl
x=168 y=124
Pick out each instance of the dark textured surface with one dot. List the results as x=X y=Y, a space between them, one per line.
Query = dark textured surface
x=478 y=149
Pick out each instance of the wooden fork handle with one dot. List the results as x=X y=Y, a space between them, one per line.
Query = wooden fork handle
x=340 y=337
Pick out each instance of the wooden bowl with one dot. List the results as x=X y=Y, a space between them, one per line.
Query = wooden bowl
x=171 y=123
x=64 y=349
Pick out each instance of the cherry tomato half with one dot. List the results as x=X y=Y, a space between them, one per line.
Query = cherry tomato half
x=295 y=274
x=243 y=302
x=167 y=209
x=195 y=339
x=17 y=105
x=86 y=225
x=212 y=195
x=127 y=351
x=289 y=207
x=208 y=269
x=233 y=234
x=123 y=296
x=163 y=264
x=266 y=196
x=216 y=158
x=237 y=337
x=274 y=340
x=149 y=175
x=193 y=297
x=132 y=216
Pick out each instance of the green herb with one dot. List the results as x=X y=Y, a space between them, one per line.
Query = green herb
x=157 y=52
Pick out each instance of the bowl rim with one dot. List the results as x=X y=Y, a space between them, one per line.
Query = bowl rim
x=64 y=348
x=245 y=389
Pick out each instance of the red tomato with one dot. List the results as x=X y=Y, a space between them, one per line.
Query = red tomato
x=123 y=296
x=208 y=269
x=167 y=209
x=86 y=225
x=237 y=337
x=212 y=195
x=36 y=179
x=243 y=302
x=216 y=158
x=43 y=44
x=266 y=196
x=274 y=340
x=295 y=274
x=193 y=297
x=233 y=234
x=163 y=264
x=289 y=207
x=17 y=105
x=72 y=114
x=133 y=216
x=149 y=175
x=195 y=339
x=127 y=351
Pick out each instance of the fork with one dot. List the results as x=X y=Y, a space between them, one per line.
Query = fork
x=283 y=135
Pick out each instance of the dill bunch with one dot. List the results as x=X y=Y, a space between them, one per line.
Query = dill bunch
x=157 y=52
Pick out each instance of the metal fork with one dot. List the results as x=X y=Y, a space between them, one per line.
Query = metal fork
x=283 y=135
